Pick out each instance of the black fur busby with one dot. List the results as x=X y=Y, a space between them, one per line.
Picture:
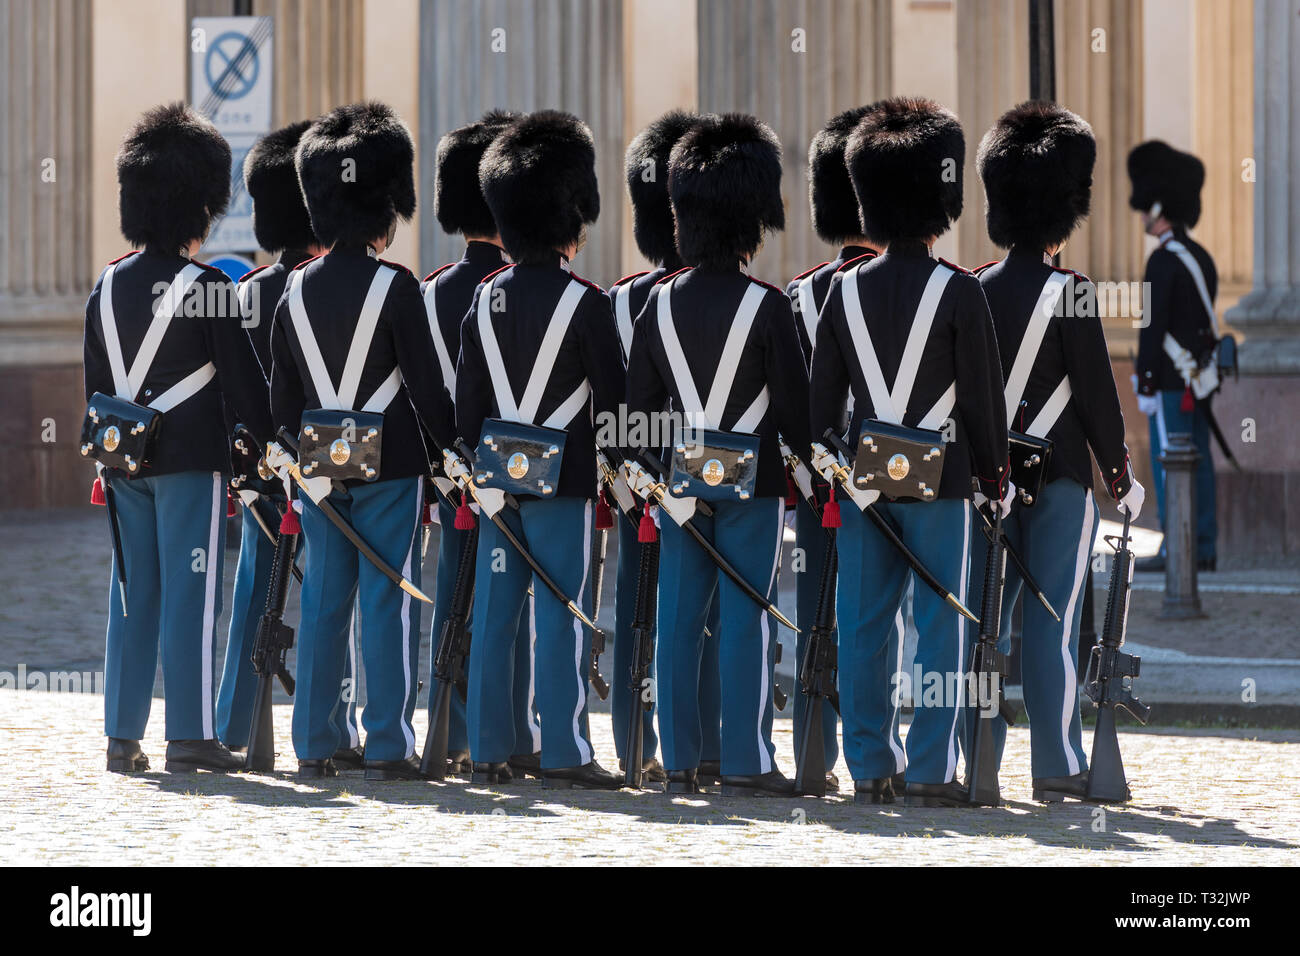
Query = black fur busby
x=457 y=199
x=280 y=219
x=1162 y=174
x=724 y=179
x=646 y=168
x=834 y=205
x=173 y=174
x=1036 y=164
x=539 y=179
x=905 y=159
x=356 y=166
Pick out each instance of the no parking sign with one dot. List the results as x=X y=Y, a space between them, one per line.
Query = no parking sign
x=231 y=84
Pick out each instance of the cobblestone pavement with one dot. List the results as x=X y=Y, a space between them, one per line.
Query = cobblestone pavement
x=1199 y=799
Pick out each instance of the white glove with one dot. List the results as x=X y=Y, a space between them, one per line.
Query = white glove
x=1131 y=503
x=455 y=467
x=278 y=460
x=1148 y=404
x=681 y=510
x=825 y=461
x=1002 y=507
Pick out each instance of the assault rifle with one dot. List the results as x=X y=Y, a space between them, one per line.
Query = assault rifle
x=643 y=653
x=270 y=647
x=817 y=673
x=1109 y=669
x=989 y=671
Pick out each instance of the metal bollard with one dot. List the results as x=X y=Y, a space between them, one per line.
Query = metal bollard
x=1182 y=599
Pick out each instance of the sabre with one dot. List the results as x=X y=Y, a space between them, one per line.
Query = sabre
x=1019 y=562
x=467 y=487
x=336 y=519
x=841 y=475
x=1204 y=405
x=658 y=491
x=119 y=557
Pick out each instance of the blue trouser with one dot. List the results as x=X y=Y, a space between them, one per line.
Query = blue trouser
x=746 y=642
x=872 y=581
x=810 y=538
x=620 y=691
x=173 y=531
x=1169 y=419
x=238 y=690
x=558 y=534
x=1054 y=538
x=386 y=515
x=527 y=730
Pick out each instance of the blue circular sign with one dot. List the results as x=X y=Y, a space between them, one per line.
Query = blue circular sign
x=232 y=65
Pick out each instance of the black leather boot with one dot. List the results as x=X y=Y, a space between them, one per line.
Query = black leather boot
x=950 y=794
x=458 y=763
x=1058 y=789
x=683 y=781
x=350 y=758
x=832 y=783
x=125 y=756
x=491 y=773
x=186 y=756
x=770 y=784
x=406 y=769
x=316 y=769
x=590 y=776
x=710 y=773
x=877 y=790
x=652 y=771
x=526 y=765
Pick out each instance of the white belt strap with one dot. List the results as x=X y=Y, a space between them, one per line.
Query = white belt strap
x=127 y=384
x=1047 y=415
x=710 y=415
x=891 y=406
x=1032 y=341
x=439 y=343
x=547 y=353
x=345 y=398
x=808 y=307
x=1198 y=279
x=623 y=313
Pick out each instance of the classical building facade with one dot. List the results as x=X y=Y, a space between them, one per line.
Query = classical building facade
x=1216 y=77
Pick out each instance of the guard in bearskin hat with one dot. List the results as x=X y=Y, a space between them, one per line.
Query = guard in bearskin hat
x=722 y=347
x=1178 y=345
x=281 y=225
x=910 y=339
x=1061 y=404
x=155 y=422
x=539 y=362
x=460 y=208
x=356 y=380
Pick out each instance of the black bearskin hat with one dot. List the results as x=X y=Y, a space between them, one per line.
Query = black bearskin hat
x=173 y=174
x=1036 y=163
x=1162 y=174
x=360 y=200
x=724 y=179
x=280 y=219
x=457 y=199
x=905 y=159
x=539 y=179
x=834 y=205
x=646 y=168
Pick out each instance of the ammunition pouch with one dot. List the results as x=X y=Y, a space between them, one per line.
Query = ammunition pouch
x=341 y=445
x=119 y=434
x=519 y=459
x=1029 y=460
x=903 y=464
x=714 y=465
x=248 y=469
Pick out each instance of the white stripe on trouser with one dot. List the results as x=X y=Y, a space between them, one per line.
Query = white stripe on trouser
x=407 y=730
x=961 y=642
x=584 y=748
x=765 y=631
x=895 y=695
x=1161 y=432
x=354 y=737
x=534 y=728
x=210 y=599
x=1070 y=693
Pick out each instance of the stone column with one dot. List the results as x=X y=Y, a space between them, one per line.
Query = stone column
x=391 y=74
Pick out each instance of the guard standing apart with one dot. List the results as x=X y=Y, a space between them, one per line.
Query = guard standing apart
x=539 y=360
x=723 y=347
x=925 y=324
x=460 y=208
x=646 y=168
x=1177 y=367
x=165 y=481
x=281 y=224
x=1036 y=164
x=835 y=219
x=354 y=368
